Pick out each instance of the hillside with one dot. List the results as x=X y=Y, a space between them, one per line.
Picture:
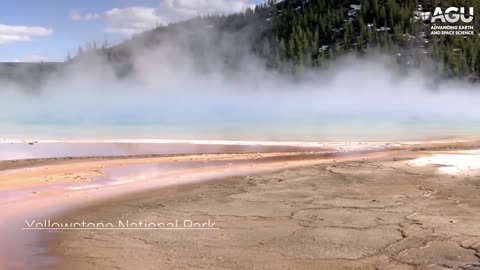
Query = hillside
x=29 y=75
x=308 y=32
x=294 y=34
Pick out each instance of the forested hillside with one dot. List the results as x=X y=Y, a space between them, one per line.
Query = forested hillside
x=291 y=35
x=306 y=33
x=295 y=34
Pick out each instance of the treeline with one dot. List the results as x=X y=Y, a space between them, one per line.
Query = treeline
x=306 y=33
x=295 y=34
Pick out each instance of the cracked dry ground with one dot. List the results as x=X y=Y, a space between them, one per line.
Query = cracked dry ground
x=368 y=214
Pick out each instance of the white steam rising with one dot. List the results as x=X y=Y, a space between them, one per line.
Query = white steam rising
x=177 y=94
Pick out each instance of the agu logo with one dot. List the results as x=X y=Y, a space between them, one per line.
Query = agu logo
x=453 y=15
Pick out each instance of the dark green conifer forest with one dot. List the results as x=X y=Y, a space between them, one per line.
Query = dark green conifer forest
x=307 y=33
x=293 y=35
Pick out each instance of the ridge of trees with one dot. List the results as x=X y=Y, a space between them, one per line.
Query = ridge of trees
x=295 y=34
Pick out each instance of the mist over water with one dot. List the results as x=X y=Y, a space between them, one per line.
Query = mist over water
x=171 y=97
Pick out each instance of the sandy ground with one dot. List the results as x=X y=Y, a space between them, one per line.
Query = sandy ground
x=41 y=189
x=370 y=212
x=16 y=174
x=247 y=202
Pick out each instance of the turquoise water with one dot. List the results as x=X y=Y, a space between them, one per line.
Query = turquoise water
x=346 y=110
x=319 y=130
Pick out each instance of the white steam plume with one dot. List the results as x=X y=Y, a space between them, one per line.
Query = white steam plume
x=182 y=90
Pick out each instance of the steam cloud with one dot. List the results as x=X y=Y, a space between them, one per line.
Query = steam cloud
x=180 y=91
